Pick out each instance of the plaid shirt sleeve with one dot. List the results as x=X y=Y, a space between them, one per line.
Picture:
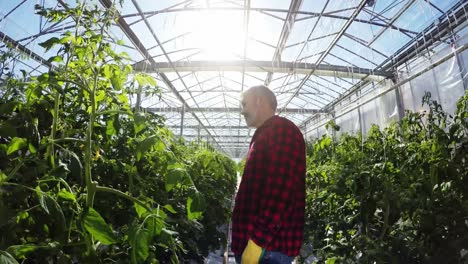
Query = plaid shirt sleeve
x=283 y=166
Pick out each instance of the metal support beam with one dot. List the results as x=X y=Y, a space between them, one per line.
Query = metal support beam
x=360 y=103
x=16 y=45
x=329 y=48
x=463 y=72
x=390 y=23
x=211 y=127
x=224 y=137
x=223 y=110
x=263 y=10
x=294 y=7
x=141 y=48
x=182 y=114
x=399 y=104
x=12 y=10
x=262 y=66
x=436 y=31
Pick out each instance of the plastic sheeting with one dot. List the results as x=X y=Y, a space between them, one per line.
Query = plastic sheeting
x=446 y=83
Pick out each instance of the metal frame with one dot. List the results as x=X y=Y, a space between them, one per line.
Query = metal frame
x=293 y=79
x=262 y=66
x=222 y=110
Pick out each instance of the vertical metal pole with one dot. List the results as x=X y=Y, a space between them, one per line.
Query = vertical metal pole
x=138 y=101
x=334 y=122
x=182 y=114
x=437 y=86
x=463 y=72
x=361 y=129
x=399 y=104
x=410 y=88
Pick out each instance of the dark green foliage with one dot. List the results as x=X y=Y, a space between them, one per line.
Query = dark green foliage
x=398 y=196
x=85 y=178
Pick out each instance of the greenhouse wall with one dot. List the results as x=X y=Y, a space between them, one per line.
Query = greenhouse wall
x=446 y=82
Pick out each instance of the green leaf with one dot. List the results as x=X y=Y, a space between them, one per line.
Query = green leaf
x=159 y=146
x=145 y=145
x=175 y=165
x=106 y=70
x=21 y=251
x=140 y=122
x=206 y=159
x=22 y=216
x=167 y=236
x=139 y=241
x=3 y=177
x=110 y=129
x=195 y=204
x=75 y=165
x=140 y=246
x=8 y=107
x=52 y=208
x=170 y=208
x=66 y=39
x=48 y=44
x=155 y=225
x=160 y=213
x=31 y=148
x=61 y=170
x=116 y=81
x=44 y=200
x=6 y=258
x=66 y=195
x=97 y=227
x=16 y=144
x=123 y=99
x=43 y=77
x=144 y=79
x=331 y=260
x=174 y=177
x=101 y=94
x=140 y=209
x=55 y=59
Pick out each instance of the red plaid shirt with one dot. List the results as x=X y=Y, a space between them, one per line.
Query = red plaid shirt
x=270 y=202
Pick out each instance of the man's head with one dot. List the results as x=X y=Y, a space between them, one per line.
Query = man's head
x=258 y=104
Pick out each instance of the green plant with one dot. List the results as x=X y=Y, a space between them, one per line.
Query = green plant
x=397 y=196
x=84 y=177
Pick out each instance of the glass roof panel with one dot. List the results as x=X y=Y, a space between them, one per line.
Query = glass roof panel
x=273 y=4
x=418 y=16
x=203 y=54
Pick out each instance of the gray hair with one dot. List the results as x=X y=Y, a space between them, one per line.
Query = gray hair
x=265 y=92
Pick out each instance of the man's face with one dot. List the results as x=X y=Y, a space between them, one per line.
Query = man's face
x=249 y=108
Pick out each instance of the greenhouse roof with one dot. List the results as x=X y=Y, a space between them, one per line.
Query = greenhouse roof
x=204 y=54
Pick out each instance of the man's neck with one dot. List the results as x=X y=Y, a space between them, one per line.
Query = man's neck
x=264 y=119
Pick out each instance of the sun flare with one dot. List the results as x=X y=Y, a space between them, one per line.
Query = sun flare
x=218 y=34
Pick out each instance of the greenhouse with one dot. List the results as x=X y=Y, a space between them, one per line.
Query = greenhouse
x=126 y=136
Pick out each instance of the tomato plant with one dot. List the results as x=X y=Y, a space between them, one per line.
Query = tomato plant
x=397 y=196
x=86 y=177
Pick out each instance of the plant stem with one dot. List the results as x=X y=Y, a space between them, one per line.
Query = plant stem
x=88 y=149
x=51 y=150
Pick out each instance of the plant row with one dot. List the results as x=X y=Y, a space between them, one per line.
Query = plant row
x=88 y=177
x=399 y=195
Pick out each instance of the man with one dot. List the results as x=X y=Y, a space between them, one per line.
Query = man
x=268 y=217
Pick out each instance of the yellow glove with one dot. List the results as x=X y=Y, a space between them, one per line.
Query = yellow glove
x=252 y=254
